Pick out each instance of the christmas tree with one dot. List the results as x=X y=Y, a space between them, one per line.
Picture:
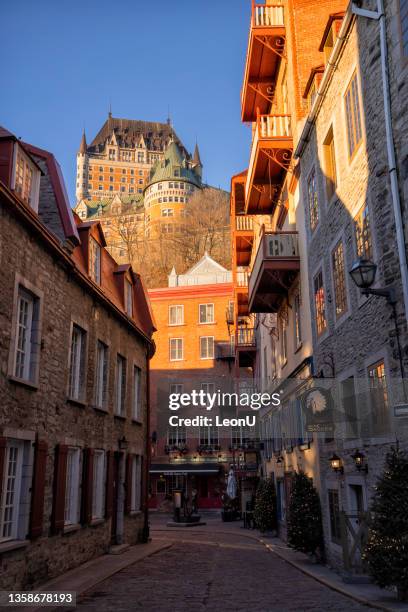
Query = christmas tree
x=265 y=506
x=386 y=552
x=305 y=530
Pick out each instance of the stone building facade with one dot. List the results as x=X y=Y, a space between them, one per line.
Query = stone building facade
x=348 y=206
x=76 y=342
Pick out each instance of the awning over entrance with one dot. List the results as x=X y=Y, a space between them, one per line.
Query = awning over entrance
x=168 y=469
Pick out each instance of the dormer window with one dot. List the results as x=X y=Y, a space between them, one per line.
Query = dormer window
x=94 y=260
x=26 y=178
x=129 y=298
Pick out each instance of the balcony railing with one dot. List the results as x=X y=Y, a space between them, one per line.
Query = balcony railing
x=226 y=350
x=244 y=223
x=246 y=336
x=265 y=16
x=242 y=278
x=278 y=252
x=274 y=126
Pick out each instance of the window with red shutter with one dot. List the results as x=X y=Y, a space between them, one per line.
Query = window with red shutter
x=38 y=489
x=60 y=476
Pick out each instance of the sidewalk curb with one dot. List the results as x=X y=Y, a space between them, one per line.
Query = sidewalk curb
x=56 y=584
x=327 y=583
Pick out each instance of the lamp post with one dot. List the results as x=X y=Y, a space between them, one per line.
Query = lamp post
x=363 y=273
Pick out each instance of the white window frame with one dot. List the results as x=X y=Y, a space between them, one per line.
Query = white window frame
x=120 y=386
x=101 y=374
x=33 y=200
x=72 y=486
x=206 y=320
x=207 y=351
x=95 y=260
x=137 y=394
x=77 y=360
x=179 y=349
x=128 y=298
x=98 y=484
x=179 y=310
x=11 y=488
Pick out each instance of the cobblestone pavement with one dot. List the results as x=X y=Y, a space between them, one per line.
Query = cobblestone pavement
x=213 y=572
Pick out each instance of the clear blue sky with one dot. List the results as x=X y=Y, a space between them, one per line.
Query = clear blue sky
x=63 y=63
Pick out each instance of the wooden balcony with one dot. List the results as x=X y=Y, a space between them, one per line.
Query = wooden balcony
x=243 y=239
x=245 y=342
x=265 y=50
x=275 y=267
x=241 y=290
x=271 y=154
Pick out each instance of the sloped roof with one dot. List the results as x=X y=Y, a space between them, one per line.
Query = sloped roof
x=132 y=201
x=129 y=131
x=174 y=158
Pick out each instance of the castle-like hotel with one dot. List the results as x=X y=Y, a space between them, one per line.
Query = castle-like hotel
x=135 y=176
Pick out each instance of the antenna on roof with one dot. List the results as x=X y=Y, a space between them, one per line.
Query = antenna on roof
x=110 y=109
x=168 y=116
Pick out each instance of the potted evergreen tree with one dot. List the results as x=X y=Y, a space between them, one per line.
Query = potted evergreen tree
x=304 y=522
x=386 y=552
x=265 y=506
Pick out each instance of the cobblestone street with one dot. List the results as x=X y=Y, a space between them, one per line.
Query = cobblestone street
x=206 y=569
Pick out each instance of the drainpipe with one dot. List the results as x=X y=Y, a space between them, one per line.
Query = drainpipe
x=379 y=15
x=146 y=529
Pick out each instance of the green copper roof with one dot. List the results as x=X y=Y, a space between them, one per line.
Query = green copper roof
x=174 y=166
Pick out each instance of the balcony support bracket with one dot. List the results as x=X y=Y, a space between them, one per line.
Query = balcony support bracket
x=279 y=47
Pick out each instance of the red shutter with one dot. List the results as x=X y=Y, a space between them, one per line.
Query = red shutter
x=87 y=486
x=109 y=483
x=3 y=442
x=60 y=477
x=128 y=484
x=38 y=489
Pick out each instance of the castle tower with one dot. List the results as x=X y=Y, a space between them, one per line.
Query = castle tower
x=197 y=164
x=82 y=170
x=172 y=181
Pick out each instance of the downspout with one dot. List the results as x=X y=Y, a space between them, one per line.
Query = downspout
x=146 y=528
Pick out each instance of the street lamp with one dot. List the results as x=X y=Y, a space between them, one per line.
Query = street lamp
x=363 y=273
x=359 y=460
x=336 y=464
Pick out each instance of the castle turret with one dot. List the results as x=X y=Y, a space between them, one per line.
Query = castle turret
x=82 y=170
x=197 y=164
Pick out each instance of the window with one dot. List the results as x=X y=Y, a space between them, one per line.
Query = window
x=363 y=234
x=297 y=325
x=129 y=298
x=176 y=436
x=176 y=315
x=378 y=399
x=312 y=200
x=120 y=386
x=176 y=388
x=100 y=187
x=329 y=155
x=26 y=179
x=101 y=382
x=94 y=260
x=404 y=25
x=207 y=347
x=176 y=349
x=76 y=388
x=353 y=116
x=27 y=336
x=171 y=185
x=72 y=491
x=11 y=481
x=334 y=512
x=140 y=157
x=167 y=212
x=159 y=187
x=98 y=485
x=136 y=483
x=206 y=313
x=209 y=436
x=319 y=300
x=339 y=279
x=284 y=340
x=100 y=178
x=137 y=394
x=167 y=228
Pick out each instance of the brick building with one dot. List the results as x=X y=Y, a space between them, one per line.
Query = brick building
x=75 y=348
x=194 y=351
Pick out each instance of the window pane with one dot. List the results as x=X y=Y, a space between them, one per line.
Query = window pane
x=320 y=307
x=339 y=280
